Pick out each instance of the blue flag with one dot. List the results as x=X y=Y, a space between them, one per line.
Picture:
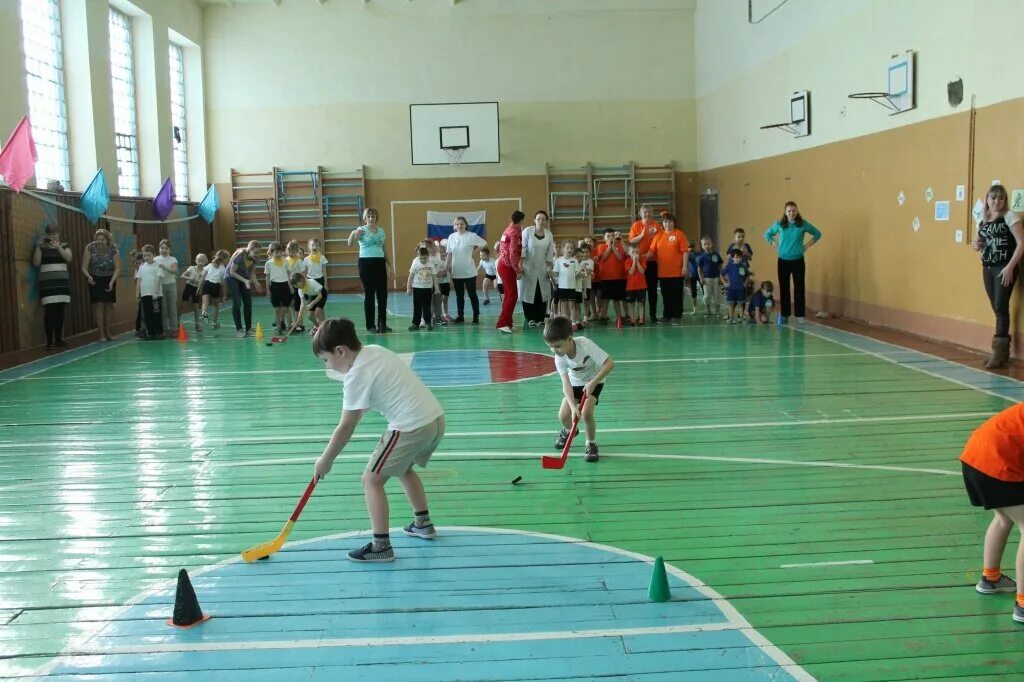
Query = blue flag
x=95 y=198
x=209 y=205
x=163 y=202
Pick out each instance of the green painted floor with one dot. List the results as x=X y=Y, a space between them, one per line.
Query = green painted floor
x=120 y=468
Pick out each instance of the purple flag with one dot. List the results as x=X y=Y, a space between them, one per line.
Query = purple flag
x=163 y=202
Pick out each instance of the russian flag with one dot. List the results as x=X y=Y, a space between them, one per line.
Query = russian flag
x=439 y=223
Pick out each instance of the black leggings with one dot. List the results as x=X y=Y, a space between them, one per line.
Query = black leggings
x=999 y=297
x=241 y=298
x=373 y=272
x=462 y=286
x=652 y=288
x=53 y=322
x=797 y=268
x=533 y=309
x=672 y=292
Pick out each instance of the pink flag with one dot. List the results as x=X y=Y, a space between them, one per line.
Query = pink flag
x=18 y=157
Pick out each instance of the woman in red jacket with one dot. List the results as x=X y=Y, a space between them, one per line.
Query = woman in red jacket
x=510 y=256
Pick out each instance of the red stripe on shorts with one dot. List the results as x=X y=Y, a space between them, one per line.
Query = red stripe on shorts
x=388 y=449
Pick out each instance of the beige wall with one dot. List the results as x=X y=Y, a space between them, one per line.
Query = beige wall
x=303 y=84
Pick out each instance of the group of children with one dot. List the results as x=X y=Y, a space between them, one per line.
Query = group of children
x=296 y=284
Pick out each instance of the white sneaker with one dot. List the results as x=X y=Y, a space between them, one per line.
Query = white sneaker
x=505 y=330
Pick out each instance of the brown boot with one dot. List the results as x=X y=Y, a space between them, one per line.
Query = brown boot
x=1000 y=353
x=988 y=357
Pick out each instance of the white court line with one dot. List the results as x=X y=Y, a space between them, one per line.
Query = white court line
x=71 y=358
x=854 y=562
x=735 y=621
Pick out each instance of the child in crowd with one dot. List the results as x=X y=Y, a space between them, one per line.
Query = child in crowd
x=709 y=270
x=611 y=257
x=311 y=297
x=193 y=277
x=734 y=276
x=278 y=287
x=149 y=290
x=762 y=303
x=213 y=286
x=489 y=266
x=993 y=469
x=295 y=263
x=567 y=271
x=692 y=277
x=137 y=260
x=739 y=242
x=377 y=380
x=585 y=283
x=168 y=265
x=444 y=281
x=636 y=285
x=316 y=269
x=583 y=367
x=422 y=285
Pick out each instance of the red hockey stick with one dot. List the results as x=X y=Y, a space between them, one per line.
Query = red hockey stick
x=559 y=462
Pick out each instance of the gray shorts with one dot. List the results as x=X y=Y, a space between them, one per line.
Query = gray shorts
x=397 y=451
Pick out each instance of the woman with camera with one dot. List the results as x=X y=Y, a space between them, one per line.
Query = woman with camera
x=52 y=256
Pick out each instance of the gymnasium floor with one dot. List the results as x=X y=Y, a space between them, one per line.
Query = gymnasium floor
x=801 y=483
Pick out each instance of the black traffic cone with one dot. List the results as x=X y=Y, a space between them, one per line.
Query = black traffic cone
x=187 y=612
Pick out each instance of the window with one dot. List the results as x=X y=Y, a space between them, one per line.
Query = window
x=122 y=73
x=44 y=75
x=179 y=140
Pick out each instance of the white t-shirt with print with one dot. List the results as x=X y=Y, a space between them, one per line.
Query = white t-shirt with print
x=381 y=381
x=585 y=365
x=566 y=270
x=315 y=267
x=193 y=275
x=215 y=273
x=276 y=272
x=461 y=247
x=439 y=268
x=587 y=269
x=166 y=278
x=150 y=280
x=421 y=274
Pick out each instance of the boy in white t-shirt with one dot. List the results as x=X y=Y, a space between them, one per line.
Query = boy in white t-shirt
x=568 y=273
x=311 y=298
x=421 y=285
x=583 y=366
x=149 y=291
x=377 y=379
x=168 y=265
x=489 y=266
x=585 y=282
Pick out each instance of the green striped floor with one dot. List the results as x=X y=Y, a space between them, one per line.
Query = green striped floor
x=737 y=453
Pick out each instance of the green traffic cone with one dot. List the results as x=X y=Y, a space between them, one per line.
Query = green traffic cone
x=658 y=591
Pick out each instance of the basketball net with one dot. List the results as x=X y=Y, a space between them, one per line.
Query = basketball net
x=455 y=154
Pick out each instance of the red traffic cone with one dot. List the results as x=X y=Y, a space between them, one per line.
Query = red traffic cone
x=618 y=322
x=187 y=613
x=182 y=334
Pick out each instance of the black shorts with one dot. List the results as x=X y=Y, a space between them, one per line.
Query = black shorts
x=577 y=392
x=445 y=287
x=591 y=294
x=322 y=281
x=636 y=296
x=212 y=289
x=280 y=294
x=736 y=296
x=613 y=289
x=501 y=289
x=991 y=493
x=490 y=277
x=190 y=294
x=568 y=296
x=98 y=290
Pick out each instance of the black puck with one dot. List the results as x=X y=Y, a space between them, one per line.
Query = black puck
x=263 y=558
x=269 y=344
x=516 y=479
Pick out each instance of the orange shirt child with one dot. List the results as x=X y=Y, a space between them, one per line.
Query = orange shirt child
x=611 y=268
x=635 y=281
x=649 y=232
x=996 y=448
x=668 y=248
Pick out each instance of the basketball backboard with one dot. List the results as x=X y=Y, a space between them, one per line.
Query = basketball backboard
x=799 y=123
x=900 y=85
x=471 y=127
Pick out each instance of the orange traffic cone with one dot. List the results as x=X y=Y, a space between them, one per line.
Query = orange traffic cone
x=187 y=612
x=182 y=334
x=618 y=322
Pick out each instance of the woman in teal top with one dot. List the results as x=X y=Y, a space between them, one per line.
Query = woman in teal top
x=790 y=230
x=373 y=271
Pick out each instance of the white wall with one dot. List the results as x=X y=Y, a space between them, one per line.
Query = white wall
x=833 y=48
x=302 y=83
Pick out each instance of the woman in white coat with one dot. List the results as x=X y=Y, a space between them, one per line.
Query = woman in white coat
x=538 y=258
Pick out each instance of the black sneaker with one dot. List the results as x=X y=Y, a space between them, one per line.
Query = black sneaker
x=590 y=454
x=476 y=320
x=426 y=532
x=414 y=327
x=563 y=437
x=459 y=320
x=366 y=554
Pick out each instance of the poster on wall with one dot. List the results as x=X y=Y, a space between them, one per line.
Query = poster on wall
x=942 y=210
x=978 y=211
x=1017 y=200
x=916 y=224
x=901 y=197
x=929 y=194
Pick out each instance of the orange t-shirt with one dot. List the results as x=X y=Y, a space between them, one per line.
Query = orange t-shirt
x=635 y=281
x=611 y=267
x=668 y=249
x=996 y=448
x=652 y=229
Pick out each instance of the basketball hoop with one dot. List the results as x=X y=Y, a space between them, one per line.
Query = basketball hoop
x=455 y=154
x=882 y=98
